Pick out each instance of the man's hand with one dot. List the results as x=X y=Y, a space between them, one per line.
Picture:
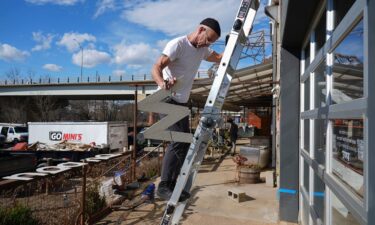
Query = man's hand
x=157 y=73
x=215 y=57
x=168 y=84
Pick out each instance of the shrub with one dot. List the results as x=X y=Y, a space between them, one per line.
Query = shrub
x=148 y=168
x=94 y=202
x=17 y=215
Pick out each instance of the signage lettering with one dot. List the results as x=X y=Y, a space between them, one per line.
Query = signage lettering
x=59 y=136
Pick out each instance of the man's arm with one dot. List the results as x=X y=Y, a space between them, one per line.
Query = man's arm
x=157 y=73
x=214 y=57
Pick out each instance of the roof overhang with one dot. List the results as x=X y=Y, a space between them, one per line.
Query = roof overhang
x=250 y=87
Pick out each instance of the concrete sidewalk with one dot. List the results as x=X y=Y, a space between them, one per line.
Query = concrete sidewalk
x=209 y=203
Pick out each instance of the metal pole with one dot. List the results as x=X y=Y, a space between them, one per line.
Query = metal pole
x=134 y=155
x=81 y=61
x=84 y=170
x=159 y=162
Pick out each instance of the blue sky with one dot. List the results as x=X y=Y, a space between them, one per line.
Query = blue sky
x=352 y=45
x=43 y=37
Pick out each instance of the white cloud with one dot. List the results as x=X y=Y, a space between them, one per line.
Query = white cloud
x=56 y=2
x=52 y=67
x=9 y=53
x=180 y=17
x=104 y=6
x=91 y=58
x=134 y=55
x=44 y=41
x=69 y=40
x=118 y=72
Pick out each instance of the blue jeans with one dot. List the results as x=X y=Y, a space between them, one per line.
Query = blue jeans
x=176 y=151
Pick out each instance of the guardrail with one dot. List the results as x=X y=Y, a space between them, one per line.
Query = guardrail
x=86 y=79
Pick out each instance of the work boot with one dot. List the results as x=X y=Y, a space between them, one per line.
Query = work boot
x=164 y=191
x=184 y=194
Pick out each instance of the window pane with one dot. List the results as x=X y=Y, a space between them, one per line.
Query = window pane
x=348 y=150
x=320 y=141
x=320 y=85
x=307 y=95
x=306 y=135
x=348 y=67
x=307 y=55
x=340 y=214
x=341 y=8
x=306 y=180
x=319 y=194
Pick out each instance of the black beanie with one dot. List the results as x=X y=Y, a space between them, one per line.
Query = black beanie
x=213 y=24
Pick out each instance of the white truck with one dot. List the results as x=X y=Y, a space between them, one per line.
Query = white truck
x=14 y=133
x=113 y=134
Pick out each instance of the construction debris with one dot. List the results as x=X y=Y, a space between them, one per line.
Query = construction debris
x=63 y=146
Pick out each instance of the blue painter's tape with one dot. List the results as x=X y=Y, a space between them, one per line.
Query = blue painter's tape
x=319 y=194
x=287 y=191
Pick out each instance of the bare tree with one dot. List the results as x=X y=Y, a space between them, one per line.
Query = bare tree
x=80 y=110
x=126 y=112
x=102 y=111
x=13 y=110
x=109 y=110
x=113 y=111
x=30 y=76
x=13 y=74
x=46 y=107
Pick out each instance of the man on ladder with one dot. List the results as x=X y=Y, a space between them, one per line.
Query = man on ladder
x=171 y=66
x=178 y=64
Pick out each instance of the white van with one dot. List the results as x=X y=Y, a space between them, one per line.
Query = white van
x=14 y=133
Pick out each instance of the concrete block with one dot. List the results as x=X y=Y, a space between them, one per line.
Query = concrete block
x=270 y=178
x=237 y=195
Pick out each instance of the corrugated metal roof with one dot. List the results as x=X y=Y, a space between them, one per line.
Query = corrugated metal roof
x=250 y=87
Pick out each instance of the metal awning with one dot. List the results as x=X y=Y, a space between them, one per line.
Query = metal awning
x=250 y=87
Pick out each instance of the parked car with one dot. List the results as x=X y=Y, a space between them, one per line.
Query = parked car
x=14 y=133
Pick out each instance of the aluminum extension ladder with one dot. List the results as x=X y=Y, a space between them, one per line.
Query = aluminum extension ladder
x=211 y=114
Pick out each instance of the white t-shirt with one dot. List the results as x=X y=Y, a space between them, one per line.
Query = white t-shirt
x=185 y=61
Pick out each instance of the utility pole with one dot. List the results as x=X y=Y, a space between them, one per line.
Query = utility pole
x=80 y=46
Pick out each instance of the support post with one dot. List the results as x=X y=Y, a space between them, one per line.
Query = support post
x=370 y=116
x=134 y=153
x=84 y=170
x=289 y=136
